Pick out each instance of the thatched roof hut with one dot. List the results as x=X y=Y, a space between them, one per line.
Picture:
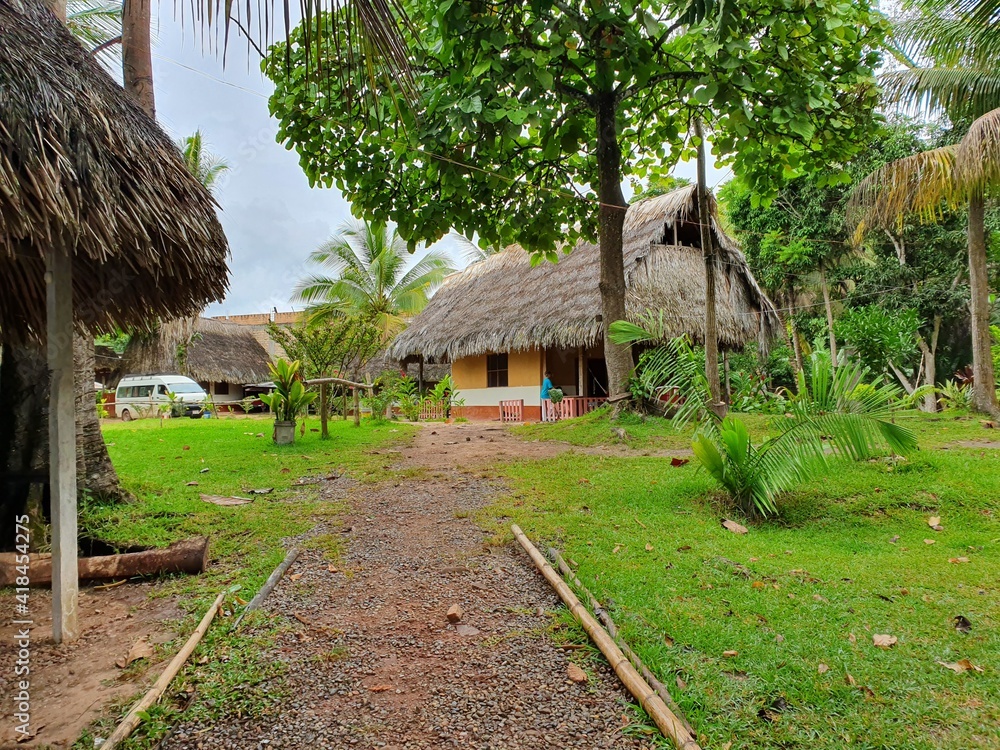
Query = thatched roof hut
x=205 y=349
x=82 y=168
x=503 y=303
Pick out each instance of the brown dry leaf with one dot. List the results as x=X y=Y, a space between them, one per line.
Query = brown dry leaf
x=380 y=688
x=332 y=568
x=730 y=654
x=203 y=660
x=669 y=641
x=926 y=598
x=617 y=549
x=928 y=541
x=822 y=669
x=779 y=638
x=818 y=598
x=958 y=560
x=681 y=685
x=679 y=461
x=734 y=527
x=867 y=691
x=726 y=746
x=649 y=547
x=285 y=470
x=641 y=523
x=684 y=548
x=141 y=649
x=988 y=424
x=934 y=521
x=849 y=679
x=191 y=484
x=225 y=501
x=295 y=576
x=757 y=585
x=962 y=665
x=575 y=673
x=852 y=638
x=882 y=640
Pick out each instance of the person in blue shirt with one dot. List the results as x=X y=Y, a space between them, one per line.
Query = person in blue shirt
x=546 y=403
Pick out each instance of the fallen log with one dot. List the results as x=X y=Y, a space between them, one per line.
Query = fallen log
x=665 y=719
x=135 y=716
x=186 y=556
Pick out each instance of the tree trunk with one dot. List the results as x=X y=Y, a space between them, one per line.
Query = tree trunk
x=612 y=221
x=708 y=253
x=324 y=411
x=930 y=365
x=137 y=54
x=829 y=313
x=796 y=345
x=95 y=471
x=984 y=396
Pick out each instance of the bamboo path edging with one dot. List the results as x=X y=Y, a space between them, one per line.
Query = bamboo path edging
x=269 y=584
x=132 y=719
x=605 y=617
x=665 y=719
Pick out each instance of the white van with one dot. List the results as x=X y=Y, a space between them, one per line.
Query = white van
x=145 y=395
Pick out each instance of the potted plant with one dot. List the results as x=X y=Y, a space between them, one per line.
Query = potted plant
x=288 y=399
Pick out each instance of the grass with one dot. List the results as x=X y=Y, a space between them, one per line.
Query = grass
x=824 y=578
x=228 y=678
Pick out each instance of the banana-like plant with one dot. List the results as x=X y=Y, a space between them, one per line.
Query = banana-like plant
x=835 y=413
x=289 y=397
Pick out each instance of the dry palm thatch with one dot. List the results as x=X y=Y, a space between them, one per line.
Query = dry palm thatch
x=921 y=184
x=978 y=154
x=503 y=303
x=204 y=349
x=84 y=169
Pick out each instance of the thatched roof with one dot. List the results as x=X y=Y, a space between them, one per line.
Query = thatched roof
x=203 y=349
x=504 y=304
x=84 y=169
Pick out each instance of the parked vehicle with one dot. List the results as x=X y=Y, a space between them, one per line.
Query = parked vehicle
x=151 y=395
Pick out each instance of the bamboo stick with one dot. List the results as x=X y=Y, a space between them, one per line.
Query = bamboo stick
x=132 y=718
x=662 y=716
x=269 y=584
x=338 y=381
x=605 y=617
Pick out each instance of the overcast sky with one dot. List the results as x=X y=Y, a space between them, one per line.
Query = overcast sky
x=273 y=219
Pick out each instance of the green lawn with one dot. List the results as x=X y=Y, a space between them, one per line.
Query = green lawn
x=824 y=578
x=156 y=464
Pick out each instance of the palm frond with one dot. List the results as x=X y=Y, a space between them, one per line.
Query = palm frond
x=960 y=92
x=923 y=184
x=978 y=155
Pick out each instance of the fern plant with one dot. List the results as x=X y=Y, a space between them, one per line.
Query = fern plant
x=831 y=415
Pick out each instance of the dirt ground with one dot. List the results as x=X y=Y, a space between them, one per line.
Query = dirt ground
x=71 y=683
x=373 y=660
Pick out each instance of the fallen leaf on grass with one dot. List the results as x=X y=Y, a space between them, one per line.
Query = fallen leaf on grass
x=262 y=491
x=884 y=641
x=928 y=541
x=685 y=548
x=380 y=688
x=894 y=539
x=988 y=424
x=225 y=501
x=204 y=471
x=758 y=585
x=285 y=470
x=962 y=665
x=934 y=521
x=852 y=638
x=641 y=523
x=649 y=547
x=191 y=484
x=679 y=461
x=730 y=654
x=849 y=679
x=962 y=623
x=779 y=638
x=332 y=568
x=141 y=649
x=958 y=560
x=669 y=641
x=575 y=673
x=681 y=685
x=617 y=549
x=734 y=527
x=186 y=448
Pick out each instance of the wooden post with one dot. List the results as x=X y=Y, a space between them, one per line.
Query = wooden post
x=420 y=375
x=581 y=355
x=357 y=407
x=324 y=411
x=62 y=443
x=708 y=252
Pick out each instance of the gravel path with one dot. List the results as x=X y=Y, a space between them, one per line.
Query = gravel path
x=374 y=662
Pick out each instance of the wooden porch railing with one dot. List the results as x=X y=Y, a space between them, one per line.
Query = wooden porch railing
x=512 y=411
x=574 y=406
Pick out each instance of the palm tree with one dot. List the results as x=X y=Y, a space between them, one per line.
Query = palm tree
x=96 y=23
x=206 y=167
x=962 y=44
x=370 y=275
